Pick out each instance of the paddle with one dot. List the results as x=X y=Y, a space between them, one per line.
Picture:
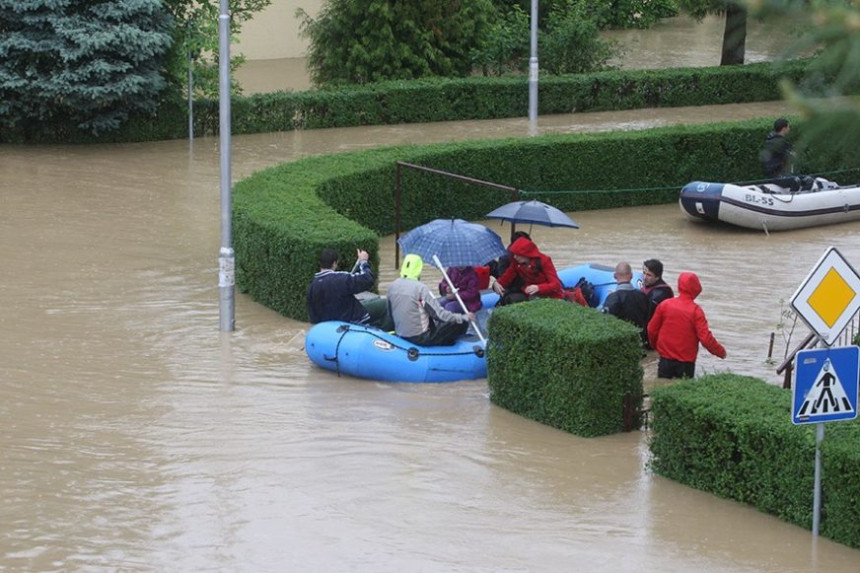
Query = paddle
x=456 y=292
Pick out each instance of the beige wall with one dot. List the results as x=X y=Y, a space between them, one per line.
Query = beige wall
x=274 y=32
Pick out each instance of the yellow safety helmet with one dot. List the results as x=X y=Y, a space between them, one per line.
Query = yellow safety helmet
x=411 y=267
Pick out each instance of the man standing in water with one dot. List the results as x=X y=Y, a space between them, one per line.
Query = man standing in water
x=627 y=303
x=654 y=286
x=677 y=328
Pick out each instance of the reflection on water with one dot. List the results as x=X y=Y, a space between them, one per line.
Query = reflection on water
x=136 y=436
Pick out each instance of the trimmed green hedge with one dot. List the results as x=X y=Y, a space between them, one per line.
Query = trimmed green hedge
x=732 y=436
x=443 y=99
x=565 y=365
x=285 y=215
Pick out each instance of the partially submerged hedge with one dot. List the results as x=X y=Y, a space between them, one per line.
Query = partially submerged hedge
x=447 y=99
x=732 y=436
x=565 y=365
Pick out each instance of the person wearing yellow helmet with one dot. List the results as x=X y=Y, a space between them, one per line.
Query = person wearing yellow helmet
x=418 y=317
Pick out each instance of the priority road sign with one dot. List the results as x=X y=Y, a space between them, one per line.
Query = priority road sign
x=829 y=297
x=826 y=385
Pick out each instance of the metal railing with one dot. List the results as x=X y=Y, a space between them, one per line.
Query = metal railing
x=813 y=341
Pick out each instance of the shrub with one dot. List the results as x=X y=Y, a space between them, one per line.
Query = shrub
x=564 y=365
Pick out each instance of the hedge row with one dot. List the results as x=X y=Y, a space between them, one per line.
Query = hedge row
x=566 y=366
x=732 y=436
x=431 y=100
x=284 y=216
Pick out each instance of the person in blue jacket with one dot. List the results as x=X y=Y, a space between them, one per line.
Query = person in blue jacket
x=331 y=294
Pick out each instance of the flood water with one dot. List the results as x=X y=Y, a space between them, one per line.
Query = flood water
x=136 y=436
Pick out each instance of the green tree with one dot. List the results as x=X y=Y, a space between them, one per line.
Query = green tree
x=568 y=42
x=86 y=62
x=360 y=41
x=735 y=31
x=196 y=35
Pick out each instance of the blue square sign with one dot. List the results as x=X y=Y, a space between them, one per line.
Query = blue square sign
x=825 y=387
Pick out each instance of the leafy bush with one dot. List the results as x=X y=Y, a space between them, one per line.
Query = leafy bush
x=732 y=436
x=361 y=41
x=564 y=365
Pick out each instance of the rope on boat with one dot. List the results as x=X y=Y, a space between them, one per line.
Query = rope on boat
x=412 y=352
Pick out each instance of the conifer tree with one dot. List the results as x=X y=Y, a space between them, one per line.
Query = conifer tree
x=86 y=63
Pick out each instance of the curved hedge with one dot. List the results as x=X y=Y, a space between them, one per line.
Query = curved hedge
x=283 y=216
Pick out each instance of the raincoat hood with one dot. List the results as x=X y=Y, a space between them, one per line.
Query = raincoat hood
x=689 y=285
x=411 y=267
x=524 y=248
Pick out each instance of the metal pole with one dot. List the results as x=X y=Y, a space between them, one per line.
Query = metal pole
x=533 y=66
x=226 y=257
x=816 y=493
x=190 y=96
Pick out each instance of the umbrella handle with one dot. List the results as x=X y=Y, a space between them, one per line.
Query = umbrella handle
x=456 y=292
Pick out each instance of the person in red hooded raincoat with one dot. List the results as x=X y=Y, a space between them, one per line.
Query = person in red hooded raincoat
x=677 y=328
x=536 y=271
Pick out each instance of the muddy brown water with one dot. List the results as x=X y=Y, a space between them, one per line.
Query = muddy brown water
x=135 y=436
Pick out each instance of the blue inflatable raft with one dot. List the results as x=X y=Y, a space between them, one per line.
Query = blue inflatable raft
x=367 y=352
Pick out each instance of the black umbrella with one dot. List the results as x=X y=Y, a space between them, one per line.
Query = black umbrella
x=533 y=212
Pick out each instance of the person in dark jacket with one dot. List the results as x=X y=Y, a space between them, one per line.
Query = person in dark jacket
x=533 y=269
x=776 y=154
x=653 y=284
x=677 y=328
x=331 y=294
x=628 y=303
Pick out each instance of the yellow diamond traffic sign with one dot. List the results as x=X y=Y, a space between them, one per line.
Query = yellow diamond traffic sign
x=829 y=297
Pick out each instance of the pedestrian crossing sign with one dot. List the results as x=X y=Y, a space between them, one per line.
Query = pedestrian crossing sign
x=826 y=385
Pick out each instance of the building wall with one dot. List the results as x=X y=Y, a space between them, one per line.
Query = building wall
x=274 y=32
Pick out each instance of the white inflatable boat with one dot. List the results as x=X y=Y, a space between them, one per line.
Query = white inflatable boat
x=789 y=203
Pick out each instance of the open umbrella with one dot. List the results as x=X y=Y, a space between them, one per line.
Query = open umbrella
x=457 y=243
x=533 y=212
x=453 y=243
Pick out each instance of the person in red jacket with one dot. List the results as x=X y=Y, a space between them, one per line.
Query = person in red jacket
x=677 y=328
x=536 y=271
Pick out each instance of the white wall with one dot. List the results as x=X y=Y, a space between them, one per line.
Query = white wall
x=274 y=32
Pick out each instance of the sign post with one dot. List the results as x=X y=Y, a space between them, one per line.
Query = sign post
x=826 y=379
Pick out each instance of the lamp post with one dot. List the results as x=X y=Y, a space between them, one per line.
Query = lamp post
x=226 y=257
x=533 y=66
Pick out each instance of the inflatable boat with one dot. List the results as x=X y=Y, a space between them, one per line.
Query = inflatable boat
x=601 y=277
x=788 y=203
x=367 y=352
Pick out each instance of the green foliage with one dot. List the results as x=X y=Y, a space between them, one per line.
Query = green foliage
x=361 y=41
x=732 y=436
x=282 y=216
x=568 y=42
x=196 y=36
x=440 y=99
x=80 y=64
x=572 y=44
x=506 y=49
x=564 y=365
